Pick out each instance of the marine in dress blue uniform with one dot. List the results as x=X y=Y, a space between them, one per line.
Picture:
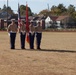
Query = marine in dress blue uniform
x=22 y=31
x=12 y=30
x=38 y=30
x=31 y=34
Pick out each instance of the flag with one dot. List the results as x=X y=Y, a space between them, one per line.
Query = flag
x=19 y=17
x=27 y=24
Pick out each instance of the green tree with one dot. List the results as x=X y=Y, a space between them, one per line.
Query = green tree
x=4 y=8
x=10 y=11
x=0 y=9
x=74 y=15
x=62 y=8
x=23 y=10
x=7 y=9
x=44 y=12
x=71 y=9
x=55 y=10
x=58 y=10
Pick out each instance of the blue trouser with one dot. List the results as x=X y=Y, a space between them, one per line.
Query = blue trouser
x=38 y=39
x=12 y=40
x=22 y=38
x=31 y=37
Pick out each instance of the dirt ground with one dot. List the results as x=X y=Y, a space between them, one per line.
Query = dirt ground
x=57 y=57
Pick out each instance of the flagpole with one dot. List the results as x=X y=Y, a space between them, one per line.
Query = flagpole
x=18 y=1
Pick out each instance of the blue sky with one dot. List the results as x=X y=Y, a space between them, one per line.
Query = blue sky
x=36 y=5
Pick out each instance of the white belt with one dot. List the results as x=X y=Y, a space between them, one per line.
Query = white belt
x=12 y=32
x=39 y=32
x=32 y=32
x=23 y=31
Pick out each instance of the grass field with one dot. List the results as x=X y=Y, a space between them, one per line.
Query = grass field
x=57 y=57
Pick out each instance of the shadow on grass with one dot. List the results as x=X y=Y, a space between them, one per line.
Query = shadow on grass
x=49 y=50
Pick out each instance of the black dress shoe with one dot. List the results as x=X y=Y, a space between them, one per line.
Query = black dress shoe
x=22 y=48
x=12 y=48
x=39 y=48
x=31 y=48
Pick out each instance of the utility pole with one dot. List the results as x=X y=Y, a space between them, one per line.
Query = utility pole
x=48 y=7
x=7 y=12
